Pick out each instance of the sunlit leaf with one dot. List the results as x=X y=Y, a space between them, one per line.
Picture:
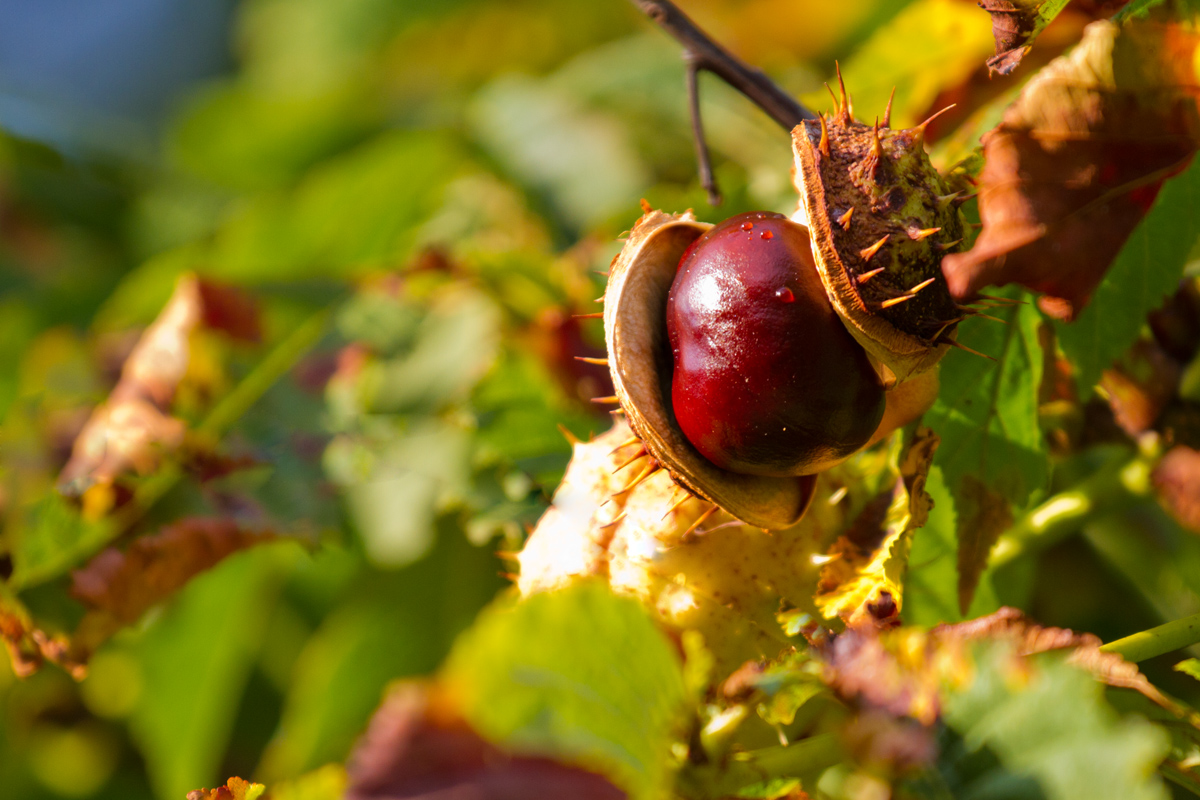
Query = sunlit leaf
x=579 y=675
x=234 y=789
x=987 y=418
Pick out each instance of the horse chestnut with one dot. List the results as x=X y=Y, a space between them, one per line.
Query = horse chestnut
x=767 y=380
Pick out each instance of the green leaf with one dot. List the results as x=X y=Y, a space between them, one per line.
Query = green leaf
x=1050 y=720
x=578 y=674
x=1189 y=666
x=391 y=625
x=992 y=453
x=930 y=597
x=928 y=47
x=195 y=661
x=1147 y=269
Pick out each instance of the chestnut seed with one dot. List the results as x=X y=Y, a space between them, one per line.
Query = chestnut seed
x=767 y=380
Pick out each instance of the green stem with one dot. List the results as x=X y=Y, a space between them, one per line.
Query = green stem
x=1119 y=483
x=1165 y=638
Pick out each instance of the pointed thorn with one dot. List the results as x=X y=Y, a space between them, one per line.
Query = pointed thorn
x=895 y=301
x=646 y=207
x=887 y=113
x=686 y=496
x=616 y=520
x=946 y=199
x=597 y=315
x=507 y=555
x=945 y=325
x=965 y=198
x=944 y=246
x=603 y=362
x=599 y=299
x=823 y=146
x=844 y=219
x=934 y=116
x=847 y=103
x=630 y=460
x=866 y=276
x=601 y=272
x=921 y=285
x=610 y=400
x=650 y=468
x=626 y=443
x=953 y=343
x=837 y=107
x=616 y=412
x=917 y=234
x=869 y=252
x=876 y=145
x=700 y=521
x=975 y=313
x=571 y=438
x=1005 y=300
x=511 y=576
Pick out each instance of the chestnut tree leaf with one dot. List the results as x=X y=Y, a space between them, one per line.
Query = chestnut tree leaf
x=987 y=418
x=119 y=586
x=1078 y=160
x=1147 y=269
x=579 y=675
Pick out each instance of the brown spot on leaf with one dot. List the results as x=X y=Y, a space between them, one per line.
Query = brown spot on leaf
x=1078 y=160
x=982 y=516
x=419 y=747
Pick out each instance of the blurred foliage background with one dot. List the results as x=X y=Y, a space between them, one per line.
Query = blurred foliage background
x=418 y=195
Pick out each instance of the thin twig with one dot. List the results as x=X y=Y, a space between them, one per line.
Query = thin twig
x=708 y=55
x=702 y=156
x=1167 y=637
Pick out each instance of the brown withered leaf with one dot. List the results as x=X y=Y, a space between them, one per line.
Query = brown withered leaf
x=982 y=516
x=119 y=586
x=905 y=672
x=1015 y=23
x=1177 y=482
x=132 y=430
x=418 y=747
x=1078 y=160
x=234 y=789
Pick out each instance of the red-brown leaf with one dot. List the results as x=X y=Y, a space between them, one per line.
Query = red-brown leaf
x=1177 y=482
x=119 y=586
x=418 y=747
x=1078 y=160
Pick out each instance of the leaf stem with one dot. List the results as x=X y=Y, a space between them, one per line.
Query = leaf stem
x=802 y=759
x=1156 y=641
x=1121 y=482
x=708 y=55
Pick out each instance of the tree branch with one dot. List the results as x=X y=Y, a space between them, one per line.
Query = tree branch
x=708 y=55
x=1146 y=644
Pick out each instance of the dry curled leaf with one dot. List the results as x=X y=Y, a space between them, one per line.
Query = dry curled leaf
x=133 y=429
x=234 y=789
x=119 y=586
x=1015 y=23
x=30 y=647
x=419 y=747
x=906 y=671
x=1140 y=385
x=1078 y=160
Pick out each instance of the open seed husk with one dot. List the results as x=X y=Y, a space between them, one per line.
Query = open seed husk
x=641 y=363
x=881 y=218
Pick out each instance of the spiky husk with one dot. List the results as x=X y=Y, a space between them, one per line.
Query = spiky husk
x=881 y=218
x=722 y=577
